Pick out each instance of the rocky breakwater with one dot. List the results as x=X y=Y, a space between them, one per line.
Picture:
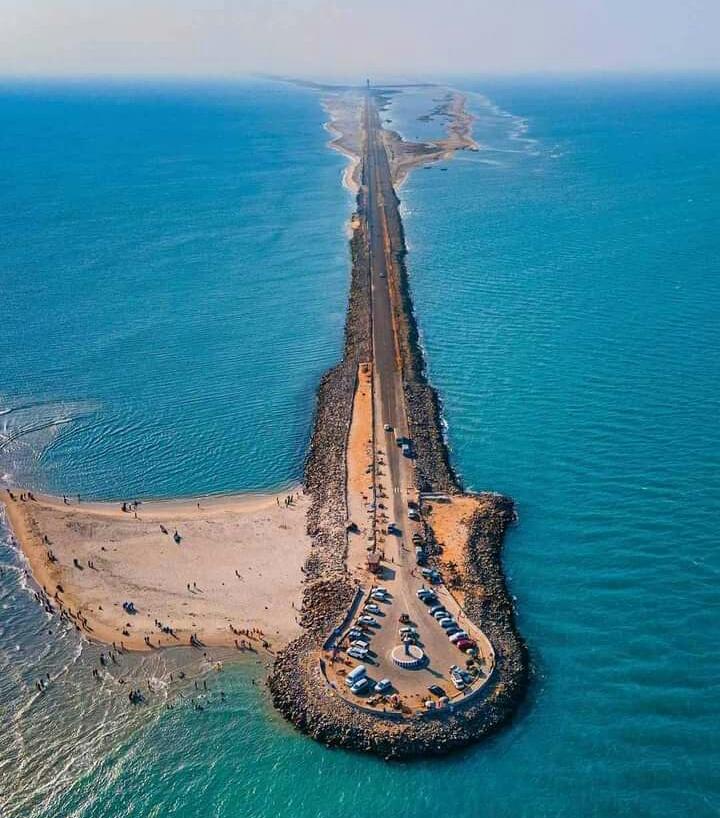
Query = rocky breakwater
x=329 y=588
x=298 y=685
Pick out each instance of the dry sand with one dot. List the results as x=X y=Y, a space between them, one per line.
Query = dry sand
x=265 y=543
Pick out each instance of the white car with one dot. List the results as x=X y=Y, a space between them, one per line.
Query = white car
x=458 y=683
x=357 y=653
x=368 y=620
x=361 y=643
x=371 y=607
x=388 y=427
x=360 y=685
x=456 y=637
x=383 y=685
x=381 y=596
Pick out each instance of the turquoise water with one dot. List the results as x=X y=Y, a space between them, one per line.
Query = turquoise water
x=566 y=283
x=165 y=253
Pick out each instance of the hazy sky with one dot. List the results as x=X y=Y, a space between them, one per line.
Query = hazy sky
x=375 y=37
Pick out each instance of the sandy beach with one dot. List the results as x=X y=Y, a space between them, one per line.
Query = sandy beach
x=235 y=564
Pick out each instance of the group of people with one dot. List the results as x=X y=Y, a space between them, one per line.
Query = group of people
x=26 y=495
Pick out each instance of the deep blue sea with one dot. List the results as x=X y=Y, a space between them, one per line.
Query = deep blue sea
x=173 y=275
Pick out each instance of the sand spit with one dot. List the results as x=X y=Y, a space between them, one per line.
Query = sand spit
x=236 y=562
x=344 y=109
x=344 y=126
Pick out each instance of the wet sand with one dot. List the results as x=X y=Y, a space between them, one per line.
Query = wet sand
x=238 y=563
x=345 y=125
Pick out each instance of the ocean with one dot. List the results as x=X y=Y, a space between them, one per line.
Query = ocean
x=174 y=271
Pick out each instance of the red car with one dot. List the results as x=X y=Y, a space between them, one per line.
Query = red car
x=465 y=644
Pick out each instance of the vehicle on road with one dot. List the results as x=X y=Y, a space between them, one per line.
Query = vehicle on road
x=404 y=618
x=456 y=637
x=383 y=686
x=388 y=427
x=368 y=620
x=360 y=685
x=393 y=529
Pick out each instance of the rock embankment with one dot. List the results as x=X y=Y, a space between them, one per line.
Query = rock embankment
x=297 y=683
x=302 y=693
x=424 y=411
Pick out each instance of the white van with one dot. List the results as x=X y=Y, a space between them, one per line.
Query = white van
x=355 y=675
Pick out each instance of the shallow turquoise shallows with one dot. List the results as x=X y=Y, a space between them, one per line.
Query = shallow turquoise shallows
x=174 y=272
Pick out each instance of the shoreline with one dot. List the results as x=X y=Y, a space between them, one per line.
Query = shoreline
x=243 y=552
x=298 y=684
x=90 y=558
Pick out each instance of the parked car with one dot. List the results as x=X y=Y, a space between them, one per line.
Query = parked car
x=381 y=596
x=360 y=685
x=360 y=642
x=436 y=690
x=368 y=620
x=458 y=683
x=357 y=653
x=413 y=515
x=437 y=609
x=371 y=607
x=393 y=529
x=441 y=614
x=456 y=637
x=388 y=427
x=355 y=674
x=407 y=629
x=383 y=686
x=452 y=631
x=447 y=623
x=466 y=644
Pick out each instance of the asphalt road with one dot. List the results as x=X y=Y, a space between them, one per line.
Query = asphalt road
x=395 y=480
